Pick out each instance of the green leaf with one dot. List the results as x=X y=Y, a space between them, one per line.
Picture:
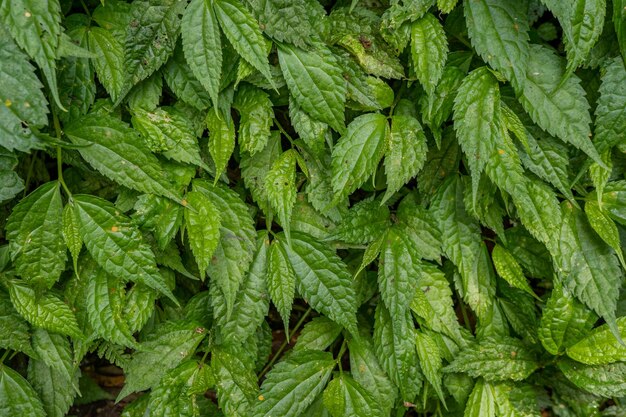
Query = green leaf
x=17 y=397
x=560 y=109
x=495 y=359
x=281 y=281
x=36 y=28
x=499 y=33
x=291 y=22
x=315 y=82
x=293 y=383
x=54 y=351
x=508 y=268
x=280 y=186
x=481 y=402
x=147 y=94
x=323 y=279
x=172 y=397
x=255 y=108
x=364 y=222
x=318 y=334
x=605 y=227
x=117 y=152
x=71 y=233
x=429 y=50
x=161 y=350
x=237 y=387
x=346 y=397
x=588 y=266
x=358 y=152
x=463 y=245
x=221 y=139
x=14 y=331
x=255 y=168
x=394 y=341
x=235 y=251
x=203 y=222
x=367 y=371
x=605 y=380
x=35 y=238
x=430 y=361
x=109 y=60
x=202 y=45
x=46 y=311
x=244 y=34
x=183 y=83
x=619 y=21
x=421 y=228
x=54 y=389
x=13 y=184
x=600 y=347
x=406 y=152
x=116 y=244
x=564 y=321
x=150 y=39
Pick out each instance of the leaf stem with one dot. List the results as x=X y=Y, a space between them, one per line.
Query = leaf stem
x=342 y=350
x=87 y=12
x=59 y=134
x=4 y=356
x=284 y=344
x=284 y=132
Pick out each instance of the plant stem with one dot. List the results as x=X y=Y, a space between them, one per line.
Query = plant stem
x=4 y=356
x=59 y=134
x=284 y=132
x=285 y=343
x=342 y=350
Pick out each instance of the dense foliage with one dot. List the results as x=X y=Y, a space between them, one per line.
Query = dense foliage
x=292 y=208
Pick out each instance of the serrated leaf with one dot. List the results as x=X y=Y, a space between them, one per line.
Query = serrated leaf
x=293 y=383
x=13 y=184
x=46 y=311
x=499 y=33
x=71 y=233
x=115 y=150
x=481 y=402
x=394 y=342
x=605 y=380
x=238 y=388
x=358 y=152
x=560 y=109
x=281 y=281
x=322 y=279
x=463 y=245
x=235 y=251
x=587 y=265
x=202 y=45
x=54 y=389
x=54 y=351
x=430 y=361
x=406 y=152
x=160 y=215
x=150 y=39
x=564 y=321
x=421 y=228
x=244 y=34
x=315 y=82
x=292 y=22
x=221 y=139
x=605 y=227
x=374 y=55
x=495 y=359
x=14 y=331
x=203 y=222
x=161 y=350
x=255 y=168
x=116 y=244
x=346 y=397
x=171 y=396
x=280 y=186
x=429 y=50
x=36 y=27
x=35 y=238
x=363 y=223
x=109 y=59
x=318 y=334
x=600 y=347
x=17 y=397
x=182 y=81
x=255 y=108
x=147 y=94
x=508 y=268
x=252 y=302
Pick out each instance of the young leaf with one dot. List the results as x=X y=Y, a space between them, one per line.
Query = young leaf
x=318 y=334
x=600 y=347
x=17 y=397
x=281 y=281
x=293 y=383
x=108 y=61
x=116 y=244
x=115 y=150
x=34 y=231
x=605 y=227
x=221 y=139
x=430 y=361
x=315 y=81
x=499 y=33
x=323 y=279
x=346 y=397
x=203 y=222
x=280 y=185
x=172 y=396
x=202 y=45
x=429 y=50
x=255 y=168
x=255 y=108
x=161 y=350
x=495 y=359
x=244 y=34
x=508 y=268
x=46 y=311
x=358 y=152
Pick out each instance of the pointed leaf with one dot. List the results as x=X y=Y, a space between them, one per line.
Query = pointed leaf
x=221 y=139
x=429 y=50
x=17 y=397
x=109 y=60
x=318 y=334
x=481 y=402
x=203 y=222
x=363 y=223
x=280 y=185
x=508 y=268
x=430 y=361
x=237 y=387
x=281 y=281
x=255 y=108
x=346 y=397
x=605 y=380
x=600 y=347
x=14 y=331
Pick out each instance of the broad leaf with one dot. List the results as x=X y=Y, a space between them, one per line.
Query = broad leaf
x=17 y=396
x=364 y=222
x=221 y=139
x=346 y=397
x=430 y=361
x=318 y=334
x=14 y=331
x=109 y=60
x=202 y=222
x=605 y=380
x=280 y=185
x=600 y=347
x=255 y=108
x=237 y=388
x=429 y=50
x=281 y=281
x=508 y=268
x=481 y=402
